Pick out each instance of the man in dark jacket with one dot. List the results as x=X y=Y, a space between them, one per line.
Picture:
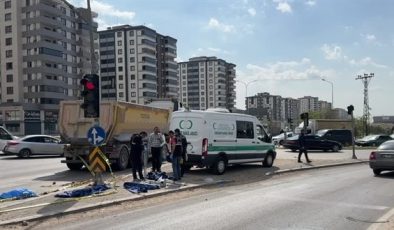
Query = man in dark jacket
x=184 y=152
x=303 y=148
x=136 y=156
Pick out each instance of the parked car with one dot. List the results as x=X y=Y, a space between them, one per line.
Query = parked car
x=34 y=145
x=278 y=139
x=312 y=142
x=382 y=158
x=343 y=136
x=372 y=140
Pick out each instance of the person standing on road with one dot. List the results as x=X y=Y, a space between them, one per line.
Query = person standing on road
x=303 y=148
x=176 y=150
x=155 y=143
x=136 y=156
x=184 y=153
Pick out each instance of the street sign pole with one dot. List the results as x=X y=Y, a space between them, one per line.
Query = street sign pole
x=96 y=136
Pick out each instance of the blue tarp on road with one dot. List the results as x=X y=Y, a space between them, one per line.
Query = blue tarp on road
x=19 y=193
x=135 y=187
x=83 y=192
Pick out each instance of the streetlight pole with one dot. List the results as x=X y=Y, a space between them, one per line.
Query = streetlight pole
x=246 y=90
x=332 y=91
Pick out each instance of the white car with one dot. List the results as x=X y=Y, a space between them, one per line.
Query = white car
x=34 y=145
x=278 y=139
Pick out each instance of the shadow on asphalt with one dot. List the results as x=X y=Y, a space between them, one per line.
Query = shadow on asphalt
x=315 y=151
x=13 y=157
x=387 y=175
x=238 y=174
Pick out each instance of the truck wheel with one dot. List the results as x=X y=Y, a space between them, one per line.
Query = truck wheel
x=268 y=160
x=123 y=161
x=74 y=166
x=281 y=142
x=219 y=167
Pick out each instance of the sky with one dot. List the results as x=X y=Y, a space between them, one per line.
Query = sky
x=285 y=47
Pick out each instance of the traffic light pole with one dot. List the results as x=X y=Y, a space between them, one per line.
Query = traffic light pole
x=353 y=136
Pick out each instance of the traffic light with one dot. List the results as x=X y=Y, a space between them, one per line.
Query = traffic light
x=350 y=109
x=91 y=95
x=305 y=118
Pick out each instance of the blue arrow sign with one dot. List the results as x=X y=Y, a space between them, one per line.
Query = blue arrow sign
x=96 y=135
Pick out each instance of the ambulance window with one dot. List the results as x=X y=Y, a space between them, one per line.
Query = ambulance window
x=245 y=130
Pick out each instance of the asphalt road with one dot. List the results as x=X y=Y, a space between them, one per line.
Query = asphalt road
x=36 y=173
x=336 y=198
x=42 y=174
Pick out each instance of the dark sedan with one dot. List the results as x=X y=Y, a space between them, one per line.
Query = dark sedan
x=373 y=140
x=312 y=142
x=382 y=158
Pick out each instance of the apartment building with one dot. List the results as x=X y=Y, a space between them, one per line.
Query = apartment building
x=207 y=82
x=275 y=108
x=44 y=52
x=137 y=64
x=309 y=104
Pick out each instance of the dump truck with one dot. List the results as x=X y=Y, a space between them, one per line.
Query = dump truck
x=119 y=120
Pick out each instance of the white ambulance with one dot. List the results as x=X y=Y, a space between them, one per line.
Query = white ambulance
x=217 y=138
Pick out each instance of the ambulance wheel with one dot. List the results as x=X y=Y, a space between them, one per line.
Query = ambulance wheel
x=268 y=160
x=219 y=167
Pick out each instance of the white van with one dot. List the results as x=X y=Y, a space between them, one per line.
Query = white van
x=217 y=138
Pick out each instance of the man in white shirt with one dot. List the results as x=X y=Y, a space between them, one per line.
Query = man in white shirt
x=155 y=144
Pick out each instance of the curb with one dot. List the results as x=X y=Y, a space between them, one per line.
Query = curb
x=122 y=200
x=315 y=167
x=105 y=204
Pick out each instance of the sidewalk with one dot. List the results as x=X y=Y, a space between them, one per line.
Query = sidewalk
x=48 y=205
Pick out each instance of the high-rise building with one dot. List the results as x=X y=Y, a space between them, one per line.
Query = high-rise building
x=309 y=104
x=44 y=52
x=137 y=64
x=207 y=82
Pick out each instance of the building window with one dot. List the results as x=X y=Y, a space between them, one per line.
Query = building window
x=8 y=66
x=120 y=51
x=8 y=41
x=133 y=94
x=8 y=53
x=132 y=68
x=119 y=43
x=210 y=69
x=120 y=68
x=120 y=77
x=7 y=17
x=121 y=94
x=120 y=60
x=131 y=33
x=132 y=51
x=132 y=77
x=132 y=42
x=10 y=90
x=8 y=29
x=132 y=85
x=119 y=34
x=7 y=4
x=120 y=86
x=132 y=59
x=10 y=78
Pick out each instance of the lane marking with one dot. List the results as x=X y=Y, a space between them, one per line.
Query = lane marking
x=382 y=219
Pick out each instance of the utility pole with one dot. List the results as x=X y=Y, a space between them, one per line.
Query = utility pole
x=92 y=55
x=366 y=79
